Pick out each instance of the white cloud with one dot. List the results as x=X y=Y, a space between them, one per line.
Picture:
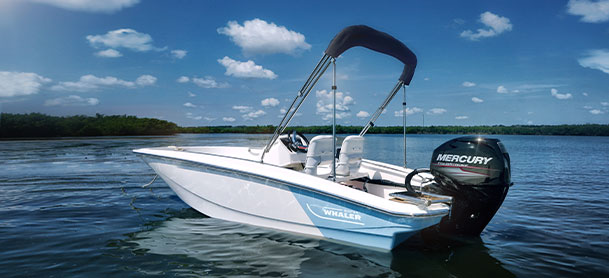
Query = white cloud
x=461 y=117
x=436 y=111
x=409 y=111
x=596 y=112
x=242 y=108
x=245 y=69
x=362 y=114
x=560 y=96
x=497 y=25
x=468 y=84
x=258 y=36
x=477 y=100
x=179 y=53
x=20 y=83
x=253 y=114
x=585 y=94
x=109 y=53
x=208 y=82
x=190 y=94
x=269 y=102
x=596 y=59
x=183 y=79
x=590 y=11
x=145 y=80
x=324 y=104
x=105 y=6
x=228 y=119
x=125 y=38
x=426 y=78
x=283 y=110
x=209 y=119
x=90 y=82
x=193 y=116
x=604 y=103
x=502 y=90
x=587 y=107
x=72 y=100
x=189 y=105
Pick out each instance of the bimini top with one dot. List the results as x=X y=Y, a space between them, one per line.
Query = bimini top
x=362 y=35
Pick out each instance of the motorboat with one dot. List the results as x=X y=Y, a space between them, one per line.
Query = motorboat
x=316 y=188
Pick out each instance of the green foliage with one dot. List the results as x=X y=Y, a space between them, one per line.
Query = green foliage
x=40 y=125
x=587 y=129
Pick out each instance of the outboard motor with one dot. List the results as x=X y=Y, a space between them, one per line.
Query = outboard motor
x=475 y=171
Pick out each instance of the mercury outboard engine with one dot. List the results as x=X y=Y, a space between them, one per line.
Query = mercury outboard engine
x=475 y=171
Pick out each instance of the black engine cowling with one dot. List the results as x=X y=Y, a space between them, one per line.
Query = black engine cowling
x=475 y=171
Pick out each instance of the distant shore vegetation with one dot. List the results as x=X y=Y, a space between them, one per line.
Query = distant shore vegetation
x=36 y=125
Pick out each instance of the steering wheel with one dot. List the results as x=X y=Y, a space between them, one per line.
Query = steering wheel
x=408 y=180
x=299 y=142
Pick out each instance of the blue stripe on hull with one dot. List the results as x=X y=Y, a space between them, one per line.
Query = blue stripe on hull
x=348 y=222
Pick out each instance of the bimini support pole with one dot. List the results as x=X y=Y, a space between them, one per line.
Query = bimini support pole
x=319 y=70
x=334 y=119
x=380 y=110
x=404 y=122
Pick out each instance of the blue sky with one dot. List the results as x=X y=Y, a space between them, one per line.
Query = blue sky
x=200 y=63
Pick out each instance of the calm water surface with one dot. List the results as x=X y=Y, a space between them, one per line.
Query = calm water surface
x=75 y=207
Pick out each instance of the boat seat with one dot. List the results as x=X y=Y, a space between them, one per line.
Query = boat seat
x=350 y=157
x=320 y=153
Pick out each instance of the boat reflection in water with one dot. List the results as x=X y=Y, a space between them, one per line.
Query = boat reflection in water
x=228 y=248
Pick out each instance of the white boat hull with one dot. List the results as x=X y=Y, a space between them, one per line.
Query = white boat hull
x=223 y=192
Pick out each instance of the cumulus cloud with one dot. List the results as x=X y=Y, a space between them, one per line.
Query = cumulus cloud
x=590 y=11
x=183 y=79
x=253 y=115
x=362 y=114
x=477 y=100
x=193 y=116
x=436 y=111
x=123 y=38
x=20 y=83
x=502 y=90
x=269 y=102
x=88 y=83
x=604 y=103
x=242 y=108
x=245 y=69
x=555 y=94
x=179 y=53
x=324 y=104
x=409 y=111
x=145 y=80
x=260 y=37
x=228 y=119
x=189 y=105
x=596 y=59
x=468 y=84
x=94 y=6
x=109 y=53
x=596 y=112
x=208 y=82
x=496 y=25
x=461 y=117
x=72 y=100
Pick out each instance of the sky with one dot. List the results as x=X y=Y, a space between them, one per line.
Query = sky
x=201 y=63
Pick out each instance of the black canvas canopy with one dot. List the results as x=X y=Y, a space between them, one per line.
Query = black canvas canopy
x=362 y=35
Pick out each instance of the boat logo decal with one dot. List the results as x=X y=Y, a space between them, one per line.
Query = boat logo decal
x=464 y=158
x=336 y=214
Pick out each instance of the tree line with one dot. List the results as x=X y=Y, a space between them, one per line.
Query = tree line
x=41 y=125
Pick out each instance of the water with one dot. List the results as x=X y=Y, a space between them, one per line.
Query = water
x=75 y=208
